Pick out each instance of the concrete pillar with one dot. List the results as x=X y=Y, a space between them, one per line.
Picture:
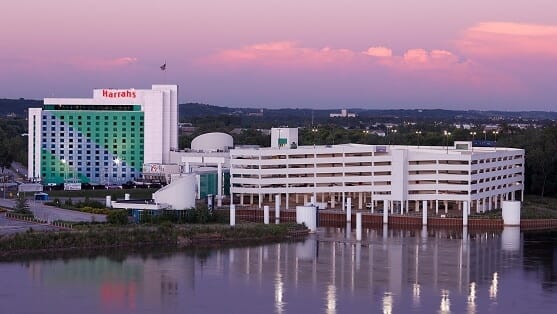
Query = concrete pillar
x=358 y=226
x=322 y=197
x=333 y=201
x=305 y=199
x=343 y=201
x=477 y=206
x=251 y=199
x=446 y=205
x=385 y=212
x=489 y=204
x=436 y=207
x=296 y=198
x=424 y=213
x=232 y=214
x=512 y=196
x=417 y=206
x=349 y=209
x=360 y=206
x=459 y=205
x=465 y=213
x=407 y=206
x=287 y=201
x=219 y=184
x=266 y=214
x=260 y=200
x=392 y=206
x=242 y=199
x=277 y=206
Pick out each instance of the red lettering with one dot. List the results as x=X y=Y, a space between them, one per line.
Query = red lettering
x=119 y=94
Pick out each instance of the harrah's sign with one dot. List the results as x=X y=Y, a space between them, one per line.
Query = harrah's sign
x=108 y=93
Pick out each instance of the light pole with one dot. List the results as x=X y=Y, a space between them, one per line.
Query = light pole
x=485 y=135
x=418 y=133
x=393 y=132
x=314 y=131
x=447 y=134
x=495 y=133
x=473 y=137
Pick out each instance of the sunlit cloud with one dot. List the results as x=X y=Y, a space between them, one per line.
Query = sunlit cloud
x=378 y=52
x=101 y=63
x=514 y=40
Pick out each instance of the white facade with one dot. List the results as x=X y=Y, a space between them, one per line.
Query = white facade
x=212 y=142
x=400 y=176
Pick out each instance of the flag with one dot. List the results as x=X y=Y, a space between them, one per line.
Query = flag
x=163 y=67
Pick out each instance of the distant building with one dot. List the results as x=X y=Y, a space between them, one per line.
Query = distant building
x=343 y=114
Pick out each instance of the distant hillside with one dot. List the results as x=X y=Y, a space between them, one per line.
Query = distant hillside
x=18 y=106
x=194 y=110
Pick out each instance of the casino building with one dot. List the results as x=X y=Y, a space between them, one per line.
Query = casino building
x=105 y=139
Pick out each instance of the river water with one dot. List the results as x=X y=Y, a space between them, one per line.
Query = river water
x=389 y=271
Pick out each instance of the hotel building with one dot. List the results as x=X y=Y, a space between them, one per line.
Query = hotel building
x=398 y=178
x=105 y=139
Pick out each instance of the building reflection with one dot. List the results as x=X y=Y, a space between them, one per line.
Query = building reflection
x=389 y=266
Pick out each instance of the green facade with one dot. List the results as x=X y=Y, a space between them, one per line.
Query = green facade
x=208 y=184
x=99 y=146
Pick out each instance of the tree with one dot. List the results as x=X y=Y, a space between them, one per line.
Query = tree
x=21 y=206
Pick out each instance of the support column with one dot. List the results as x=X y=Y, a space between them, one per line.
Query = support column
x=490 y=203
x=287 y=201
x=251 y=199
x=219 y=184
x=446 y=205
x=477 y=206
x=277 y=206
x=358 y=226
x=266 y=214
x=417 y=206
x=385 y=212
x=424 y=212
x=360 y=207
x=465 y=213
x=242 y=199
x=333 y=202
x=343 y=201
x=402 y=207
x=512 y=195
x=232 y=214
x=305 y=200
x=436 y=207
x=260 y=200
x=349 y=209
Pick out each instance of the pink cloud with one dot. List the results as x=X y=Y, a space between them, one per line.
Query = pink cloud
x=284 y=53
x=501 y=39
x=101 y=64
x=378 y=52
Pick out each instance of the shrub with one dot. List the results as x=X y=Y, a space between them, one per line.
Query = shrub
x=117 y=217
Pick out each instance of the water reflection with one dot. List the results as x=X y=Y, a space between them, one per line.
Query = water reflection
x=389 y=271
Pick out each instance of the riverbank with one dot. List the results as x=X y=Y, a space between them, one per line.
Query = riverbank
x=136 y=236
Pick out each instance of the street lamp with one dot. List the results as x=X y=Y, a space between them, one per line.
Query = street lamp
x=447 y=134
x=495 y=133
x=485 y=135
x=418 y=133
x=473 y=137
x=392 y=132
x=314 y=131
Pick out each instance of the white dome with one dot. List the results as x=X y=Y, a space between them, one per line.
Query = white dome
x=215 y=141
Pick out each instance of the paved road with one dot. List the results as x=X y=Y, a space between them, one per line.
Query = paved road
x=9 y=226
x=50 y=213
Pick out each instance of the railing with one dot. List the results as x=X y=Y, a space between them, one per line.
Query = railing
x=32 y=219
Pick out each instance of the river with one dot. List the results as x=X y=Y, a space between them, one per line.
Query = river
x=389 y=271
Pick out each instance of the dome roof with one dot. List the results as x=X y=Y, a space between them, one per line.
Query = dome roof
x=214 y=141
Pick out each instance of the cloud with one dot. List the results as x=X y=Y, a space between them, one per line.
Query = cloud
x=280 y=54
x=105 y=64
x=509 y=40
x=378 y=52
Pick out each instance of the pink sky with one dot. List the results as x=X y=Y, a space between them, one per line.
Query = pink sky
x=473 y=54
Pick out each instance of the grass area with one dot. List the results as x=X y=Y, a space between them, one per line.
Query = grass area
x=165 y=235
x=115 y=194
x=533 y=207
